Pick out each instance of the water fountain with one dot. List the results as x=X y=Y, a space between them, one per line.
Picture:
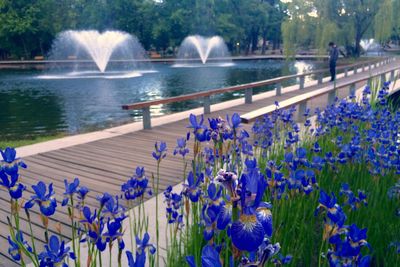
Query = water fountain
x=196 y=47
x=369 y=45
x=93 y=52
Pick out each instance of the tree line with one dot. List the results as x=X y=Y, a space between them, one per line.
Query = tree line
x=28 y=27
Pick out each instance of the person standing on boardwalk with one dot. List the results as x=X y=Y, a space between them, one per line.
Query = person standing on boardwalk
x=333 y=57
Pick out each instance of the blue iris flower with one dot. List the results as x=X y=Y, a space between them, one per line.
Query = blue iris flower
x=194 y=124
x=181 y=147
x=113 y=209
x=192 y=189
x=215 y=201
x=235 y=121
x=229 y=181
x=14 y=249
x=200 y=131
x=46 y=202
x=143 y=244
x=173 y=202
x=87 y=214
x=10 y=161
x=160 y=151
x=104 y=199
x=209 y=258
x=225 y=216
x=140 y=259
x=114 y=230
x=82 y=192
x=248 y=232
x=264 y=215
x=334 y=211
x=55 y=253
x=70 y=190
x=356 y=234
x=11 y=184
x=9 y=155
x=137 y=185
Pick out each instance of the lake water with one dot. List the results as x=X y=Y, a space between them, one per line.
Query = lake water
x=34 y=102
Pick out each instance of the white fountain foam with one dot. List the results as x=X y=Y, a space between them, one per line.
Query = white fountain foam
x=203 y=47
x=91 y=75
x=369 y=44
x=99 y=46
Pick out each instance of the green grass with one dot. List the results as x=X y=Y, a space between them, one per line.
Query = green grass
x=300 y=232
x=28 y=141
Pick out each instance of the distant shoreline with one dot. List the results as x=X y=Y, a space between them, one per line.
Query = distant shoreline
x=25 y=63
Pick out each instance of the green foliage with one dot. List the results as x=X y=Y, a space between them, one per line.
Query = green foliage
x=28 y=28
x=344 y=22
x=384 y=22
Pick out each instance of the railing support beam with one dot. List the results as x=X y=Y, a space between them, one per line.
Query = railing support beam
x=248 y=96
x=146 y=118
x=352 y=89
x=301 y=84
x=301 y=110
x=320 y=78
x=332 y=96
x=207 y=105
x=383 y=79
x=278 y=89
x=346 y=72
x=392 y=76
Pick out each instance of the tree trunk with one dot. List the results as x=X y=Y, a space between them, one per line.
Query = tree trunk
x=25 y=48
x=357 y=48
x=264 y=43
x=254 y=40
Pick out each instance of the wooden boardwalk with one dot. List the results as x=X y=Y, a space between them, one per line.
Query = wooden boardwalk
x=103 y=165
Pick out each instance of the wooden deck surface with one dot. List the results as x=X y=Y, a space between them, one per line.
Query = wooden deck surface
x=104 y=165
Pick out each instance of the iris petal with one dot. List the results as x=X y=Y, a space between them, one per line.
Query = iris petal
x=247 y=233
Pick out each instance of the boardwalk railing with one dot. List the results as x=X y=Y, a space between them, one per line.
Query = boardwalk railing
x=248 y=88
x=302 y=99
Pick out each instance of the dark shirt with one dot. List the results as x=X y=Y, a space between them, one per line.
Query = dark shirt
x=333 y=54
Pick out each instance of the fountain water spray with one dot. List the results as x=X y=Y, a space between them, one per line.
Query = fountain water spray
x=99 y=47
x=196 y=46
x=369 y=44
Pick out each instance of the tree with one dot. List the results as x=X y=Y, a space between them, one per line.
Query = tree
x=347 y=21
x=28 y=27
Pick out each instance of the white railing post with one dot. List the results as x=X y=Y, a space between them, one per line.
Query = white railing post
x=146 y=118
x=332 y=96
x=301 y=84
x=392 y=76
x=383 y=78
x=352 y=89
x=248 y=96
x=207 y=104
x=320 y=78
x=301 y=110
x=278 y=89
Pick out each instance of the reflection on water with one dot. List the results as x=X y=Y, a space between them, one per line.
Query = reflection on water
x=34 y=104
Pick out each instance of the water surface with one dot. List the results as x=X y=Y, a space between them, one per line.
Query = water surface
x=34 y=103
